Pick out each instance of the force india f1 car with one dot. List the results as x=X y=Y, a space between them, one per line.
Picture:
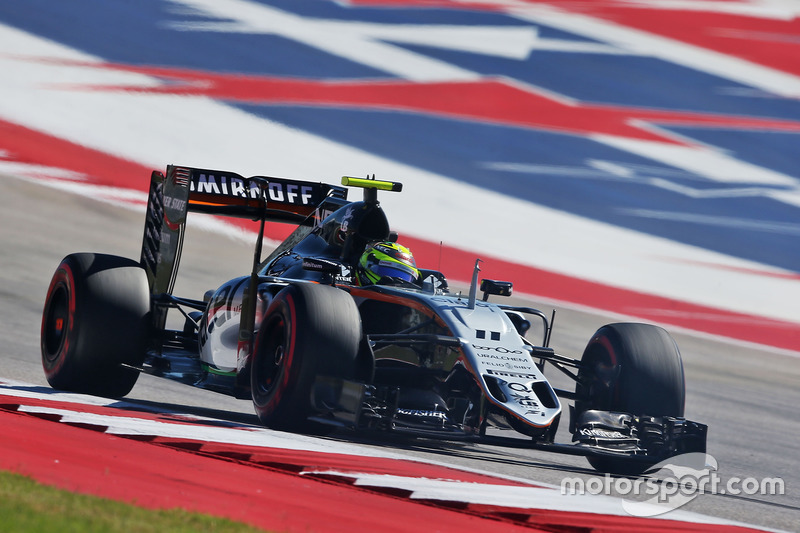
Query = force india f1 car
x=314 y=350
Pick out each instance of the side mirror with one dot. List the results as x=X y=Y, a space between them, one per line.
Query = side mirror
x=499 y=288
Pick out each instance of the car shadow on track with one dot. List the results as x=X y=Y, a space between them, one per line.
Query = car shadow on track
x=204 y=415
x=511 y=452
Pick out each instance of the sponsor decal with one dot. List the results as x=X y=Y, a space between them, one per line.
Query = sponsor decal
x=509 y=366
x=521 y=394
x=178 y=204
x=344 y=226
x=526 y=401
x=524 y=396
x=502 y=373
x=318 y=264
x=226 y=185
x=498 y=349
x=602 y=433
x=502 y=357
x=237 y=186
x=397 y=254
x=519 y=387
x=346 y=276
x=494 y=363
x=291 y=193
x=221 y=315
x=346 y=219
x=225 y=305
x=422 y=413
x=320 y=214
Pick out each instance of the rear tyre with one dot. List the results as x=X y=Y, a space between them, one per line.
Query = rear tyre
x=95 y=318
x=309 y=330
x=631 y=368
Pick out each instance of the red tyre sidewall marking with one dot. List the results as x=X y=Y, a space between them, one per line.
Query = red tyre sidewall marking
x=288 y=356
x=65 y=277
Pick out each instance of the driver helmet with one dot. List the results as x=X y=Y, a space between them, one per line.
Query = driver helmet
x=386 y=259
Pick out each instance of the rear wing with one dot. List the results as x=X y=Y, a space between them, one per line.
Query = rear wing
x=216 y=192
x=225 y=193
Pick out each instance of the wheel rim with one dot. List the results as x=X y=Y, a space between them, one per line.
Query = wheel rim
x=270 y=363
x=57 y=323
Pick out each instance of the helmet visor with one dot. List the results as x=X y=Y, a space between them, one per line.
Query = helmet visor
x=395 y=270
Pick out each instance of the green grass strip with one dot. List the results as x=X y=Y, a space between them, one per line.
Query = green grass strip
x=28 y=506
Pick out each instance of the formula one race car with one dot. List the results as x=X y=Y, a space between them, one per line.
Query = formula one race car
x=317 y=347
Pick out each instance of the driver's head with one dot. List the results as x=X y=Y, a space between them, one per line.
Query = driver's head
x=386 y=259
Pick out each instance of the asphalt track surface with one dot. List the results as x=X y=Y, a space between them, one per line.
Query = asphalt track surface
x=747 y=396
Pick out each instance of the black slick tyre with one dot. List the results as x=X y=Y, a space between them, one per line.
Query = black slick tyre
x=309 y=330
x=95 y=319
x=632 y=368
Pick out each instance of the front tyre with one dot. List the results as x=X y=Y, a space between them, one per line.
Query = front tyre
x=309 y=330
x=95 y=319
x=631 y=368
